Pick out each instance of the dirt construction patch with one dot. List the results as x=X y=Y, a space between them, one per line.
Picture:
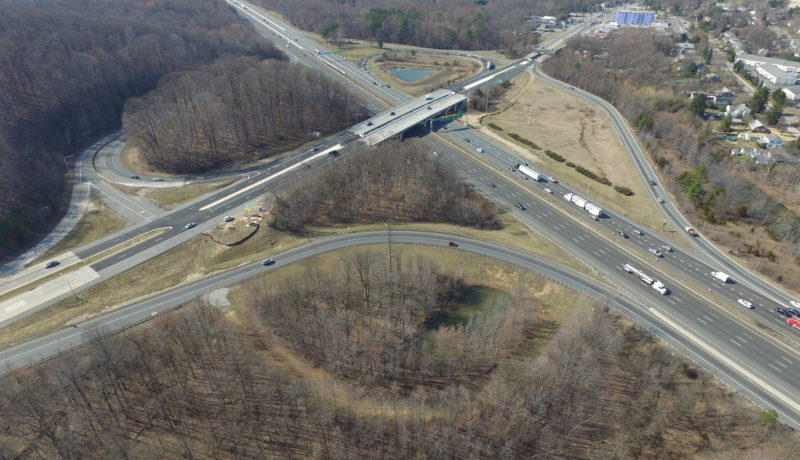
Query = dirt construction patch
x=581 y=133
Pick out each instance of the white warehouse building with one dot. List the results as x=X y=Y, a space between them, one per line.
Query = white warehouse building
x=774 y=75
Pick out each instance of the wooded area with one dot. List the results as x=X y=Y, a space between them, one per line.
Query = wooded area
x=453 y=24
x=349 y=372
x=632 y=70
x=66 y=69
x=394 y=182
x=235 y=109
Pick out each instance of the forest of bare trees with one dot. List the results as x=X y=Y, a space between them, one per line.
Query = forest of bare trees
x=632 y=69
x=453 y=24
x=66 y=69
x=376 y=380
x=235 y=109
x=393 y=182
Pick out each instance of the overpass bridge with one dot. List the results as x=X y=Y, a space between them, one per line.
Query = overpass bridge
x=407 y=115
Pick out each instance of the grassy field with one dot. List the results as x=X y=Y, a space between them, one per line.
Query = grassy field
x=97 y=222
x=202 y=256
x=580 y=132
x=172 y=197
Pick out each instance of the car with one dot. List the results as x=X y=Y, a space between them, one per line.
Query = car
x=795 y=303
x=229 y=218
x=369 y=123
x=622 y=234
x=666 y=248
x=552 y=179
x=656 y=252
x=480 y=150
x=548 y=190
x=793 y=311
x=520 y=206
x=638 y=232
x=52 y=264
x=436 y=154
x=158 y=179
x=660 y=200
x=466 y=139
x=652 y=182
x=287 y=45
x=452 y=244
x=391 y=113
x=190 y=225
x=491 y=184
x=781 y=311
x=746 y=303
x=266 y=262
x=135 y=176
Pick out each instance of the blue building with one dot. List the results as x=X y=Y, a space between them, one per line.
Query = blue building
x=636 y=18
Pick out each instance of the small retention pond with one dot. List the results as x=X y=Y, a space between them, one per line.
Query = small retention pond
x=409 y=74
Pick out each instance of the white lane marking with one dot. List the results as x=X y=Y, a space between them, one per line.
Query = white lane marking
x=743 y=340
x=781 y=364
x=770 y=365
x=786 y=359
x=729 y=362
x=698 y=319
x=735 y=342
x=671 y=301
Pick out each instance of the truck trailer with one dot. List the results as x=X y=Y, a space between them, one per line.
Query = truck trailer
x=721 y=276
x=530 y=172
x=647 y=279
x=593 y=209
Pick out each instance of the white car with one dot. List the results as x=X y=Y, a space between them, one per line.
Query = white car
x=656 y=252
x=480 y=150
x=552 y=179
x=548 y=190
x=746 y=303
x=660 y=200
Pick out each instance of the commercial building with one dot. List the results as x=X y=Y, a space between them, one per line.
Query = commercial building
x=634 y=18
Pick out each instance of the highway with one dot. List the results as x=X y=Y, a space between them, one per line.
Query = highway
x=763 y=367
x=760 y=383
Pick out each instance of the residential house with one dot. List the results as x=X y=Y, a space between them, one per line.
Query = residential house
x=739 y=111
x=770 y=141
x=793 y=131
x=723 y=96
x=749 y=136
x=758 y=127
x=760 y=156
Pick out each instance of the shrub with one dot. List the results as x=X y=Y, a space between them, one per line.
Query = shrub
x=592 y=175
x=495 y=127
x=522 y=140
x=623 y=190
x=554 y=156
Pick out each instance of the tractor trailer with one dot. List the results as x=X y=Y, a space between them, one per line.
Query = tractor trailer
x=647 y=279
x=579 y=201
x=530 y=172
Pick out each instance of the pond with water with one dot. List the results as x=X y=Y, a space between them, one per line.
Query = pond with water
x=409 y=74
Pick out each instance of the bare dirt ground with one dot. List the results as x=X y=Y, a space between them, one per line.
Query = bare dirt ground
x=581 y=133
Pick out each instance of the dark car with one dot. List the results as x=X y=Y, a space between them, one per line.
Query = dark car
x=652 y=182
x=781 y=311
x=794 y=312
x=52 y=264
x=452 y=244
x=266 y=262
x=622 y=234
x=134 y=176
x=520 y=206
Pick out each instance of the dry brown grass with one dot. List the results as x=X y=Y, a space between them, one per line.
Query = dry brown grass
x=581 y=132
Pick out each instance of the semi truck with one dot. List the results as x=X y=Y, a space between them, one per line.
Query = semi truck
x=647 y=279
x=530 y=172
x=721 y=276
x=581 y=202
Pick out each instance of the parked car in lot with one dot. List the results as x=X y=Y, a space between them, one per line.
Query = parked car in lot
x=266 y=262
x=229 y=218
x=452 y=244
x=52 y=264
x=190 y=225
x=746 y=303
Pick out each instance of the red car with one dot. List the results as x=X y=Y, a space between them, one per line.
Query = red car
x=452 y=244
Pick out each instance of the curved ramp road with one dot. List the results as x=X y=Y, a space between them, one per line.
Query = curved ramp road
x=740 y=370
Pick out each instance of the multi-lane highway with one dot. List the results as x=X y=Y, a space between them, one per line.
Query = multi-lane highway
x=750 y=360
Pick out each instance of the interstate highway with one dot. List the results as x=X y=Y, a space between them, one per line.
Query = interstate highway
x=749 y=371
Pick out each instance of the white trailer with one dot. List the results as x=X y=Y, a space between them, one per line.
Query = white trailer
x=593 y=209
x=647 y=279
x=568 y=197
x=579 y=201
x=530 y=172
x=721 y=276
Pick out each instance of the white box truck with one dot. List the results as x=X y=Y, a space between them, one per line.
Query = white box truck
x=593 y=209
x=530 y=172
x=721 y=276
x=579 y=201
